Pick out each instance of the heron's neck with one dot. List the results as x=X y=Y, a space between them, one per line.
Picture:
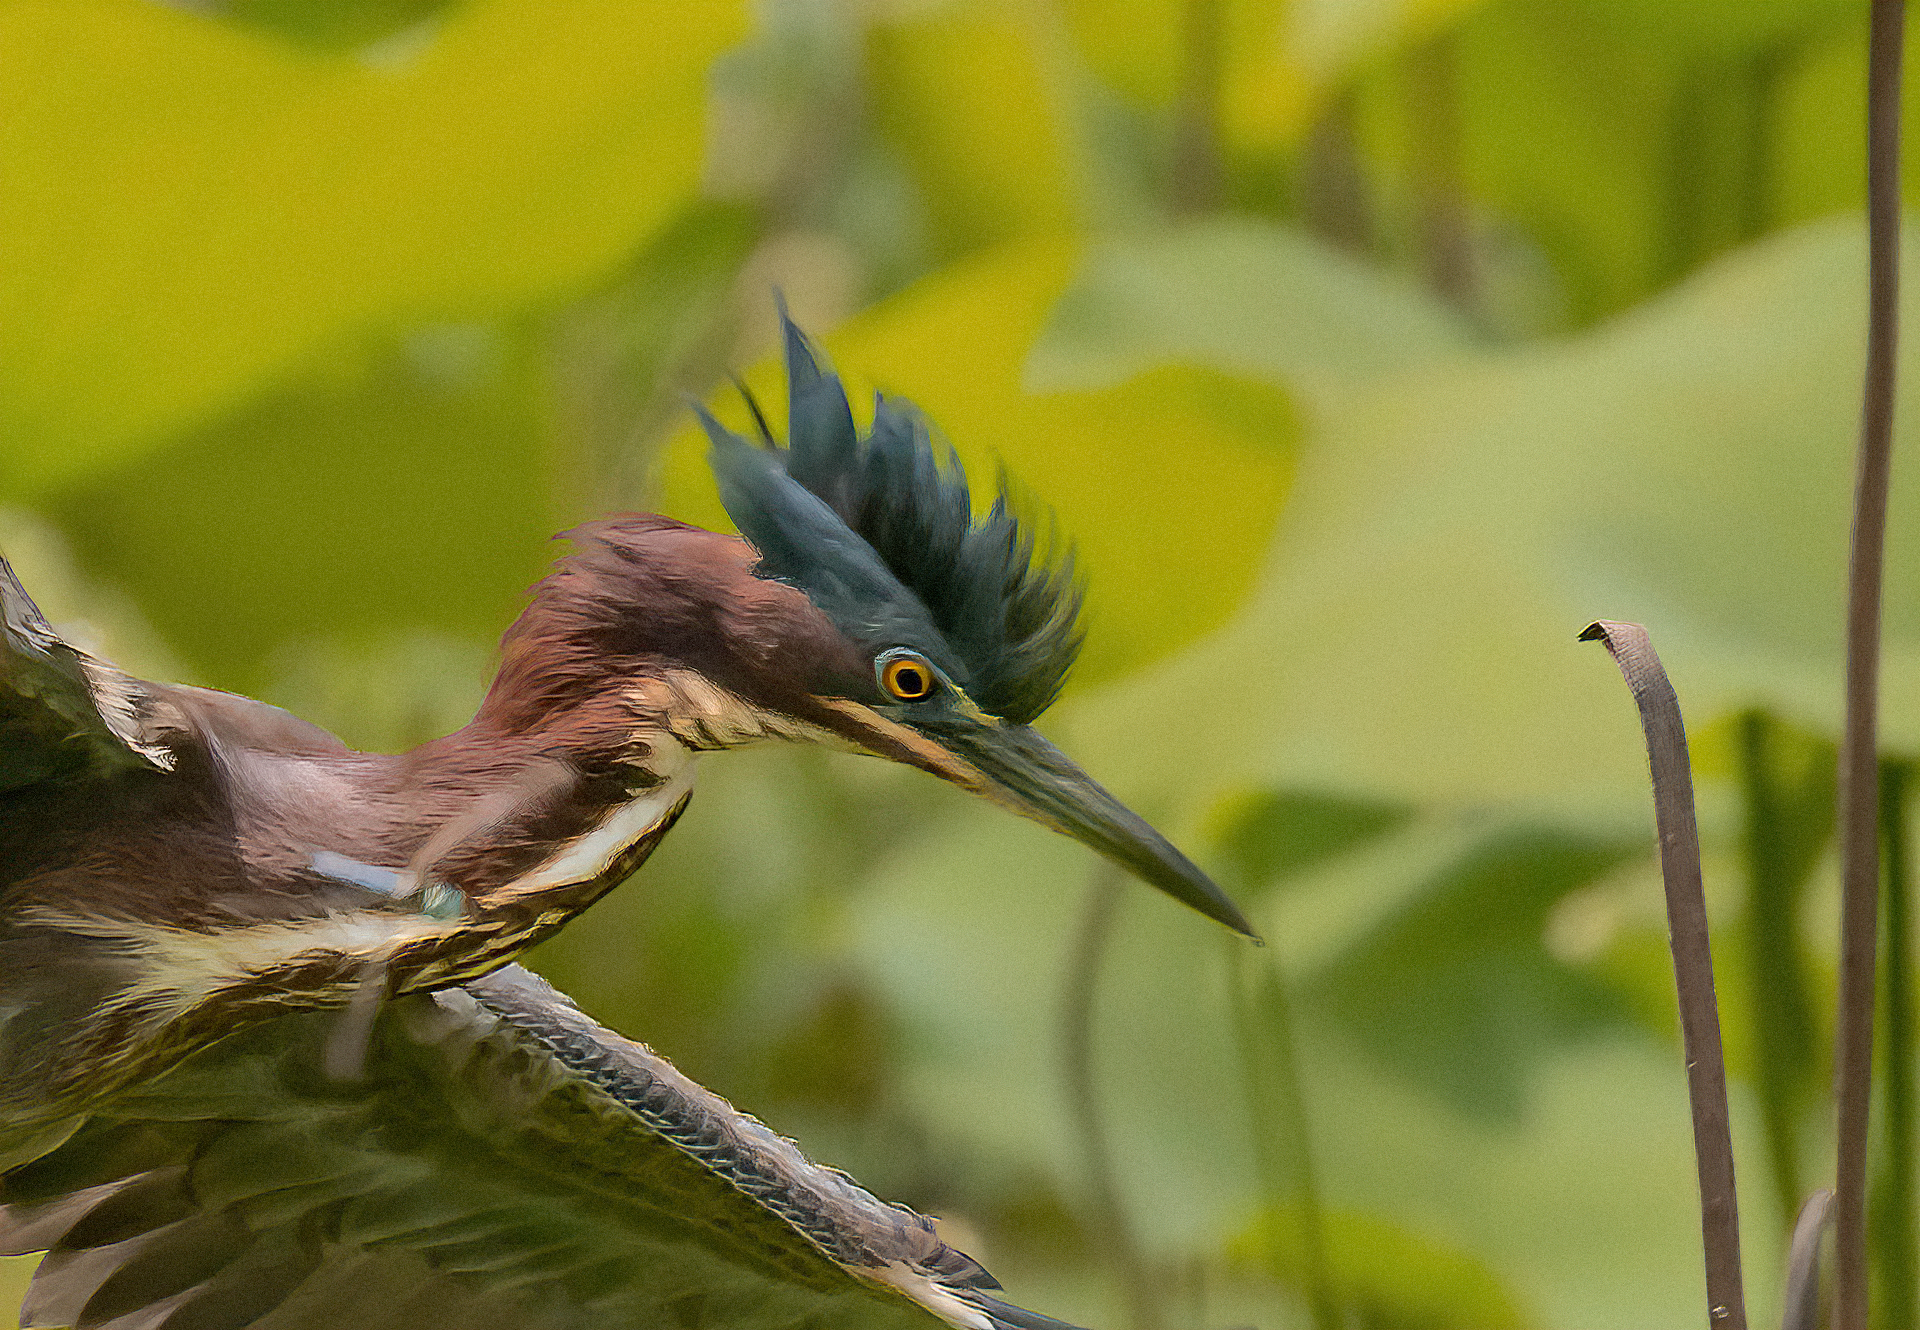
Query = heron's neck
x=520 y=810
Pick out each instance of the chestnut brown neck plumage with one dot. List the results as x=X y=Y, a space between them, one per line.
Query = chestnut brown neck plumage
x=192 y=886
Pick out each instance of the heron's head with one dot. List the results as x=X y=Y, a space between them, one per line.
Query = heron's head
x=867 y=607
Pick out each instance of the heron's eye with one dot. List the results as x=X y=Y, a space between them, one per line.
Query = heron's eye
x=906 y=677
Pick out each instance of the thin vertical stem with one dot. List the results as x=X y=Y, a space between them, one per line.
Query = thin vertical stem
x=1859 y=756
x=1893 y=1207
x=1783 y=1027
x=1687 y=936
x=1112 y=1229
x=1277 y=1109
x=1800 y=1306
x=1444 y=221
x=1197 y=169
x=1336 y=198
x=1764 y=71
x=1684 y=235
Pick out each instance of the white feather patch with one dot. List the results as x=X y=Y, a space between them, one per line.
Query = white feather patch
x=176 y=970
x=942 y=1302
x=587 y=857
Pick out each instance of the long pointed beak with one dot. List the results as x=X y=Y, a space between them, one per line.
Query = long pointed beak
x=1030 y=776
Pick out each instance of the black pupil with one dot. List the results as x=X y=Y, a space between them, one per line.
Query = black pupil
x=909 y=682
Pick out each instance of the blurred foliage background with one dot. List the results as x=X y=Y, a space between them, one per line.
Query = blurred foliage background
x=1367 y=348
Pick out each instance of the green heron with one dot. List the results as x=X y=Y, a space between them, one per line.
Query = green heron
x=264 y=1060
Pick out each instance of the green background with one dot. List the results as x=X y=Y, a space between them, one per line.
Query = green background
x=1368 y=349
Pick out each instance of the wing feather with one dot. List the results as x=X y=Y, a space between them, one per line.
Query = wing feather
x=503 y=1161
x=60 y=708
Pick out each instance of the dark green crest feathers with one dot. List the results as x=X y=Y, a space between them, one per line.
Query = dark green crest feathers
x=880 y=533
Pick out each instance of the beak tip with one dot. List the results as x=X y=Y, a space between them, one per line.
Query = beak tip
x=1203 y=895
x=1026 y=773
x=1231 y=916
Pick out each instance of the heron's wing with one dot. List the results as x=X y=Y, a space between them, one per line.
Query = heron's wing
x=62 y=710
x=504 y=1162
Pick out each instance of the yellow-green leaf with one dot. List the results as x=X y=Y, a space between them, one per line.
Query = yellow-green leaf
x=963 y=97
x=1386 y=1274
x=191 y=210
x=15 y=1271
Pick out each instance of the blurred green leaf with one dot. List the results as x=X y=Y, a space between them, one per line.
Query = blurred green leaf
x=964 y=928
x=193 y=212
x=1282 y=1133
x=626 y=357
x=1894 y=1250
x=100 y=619
x=836 y=1055
x=989 y=153
x=405 y=496
x=1788 y=780
x=1638 y=965
x=384 y=696
x=1245 y=297
x=1718 y=26
x=1272 y=835
x=1453 y=526
x=408 y=495
x=1387 y=1277
x=1456 y=990
x=1822 y=103
x=15 y=1271
x=333 y=24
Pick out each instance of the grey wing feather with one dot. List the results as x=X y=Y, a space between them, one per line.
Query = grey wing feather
x=504 y=1161
x=60 y=707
